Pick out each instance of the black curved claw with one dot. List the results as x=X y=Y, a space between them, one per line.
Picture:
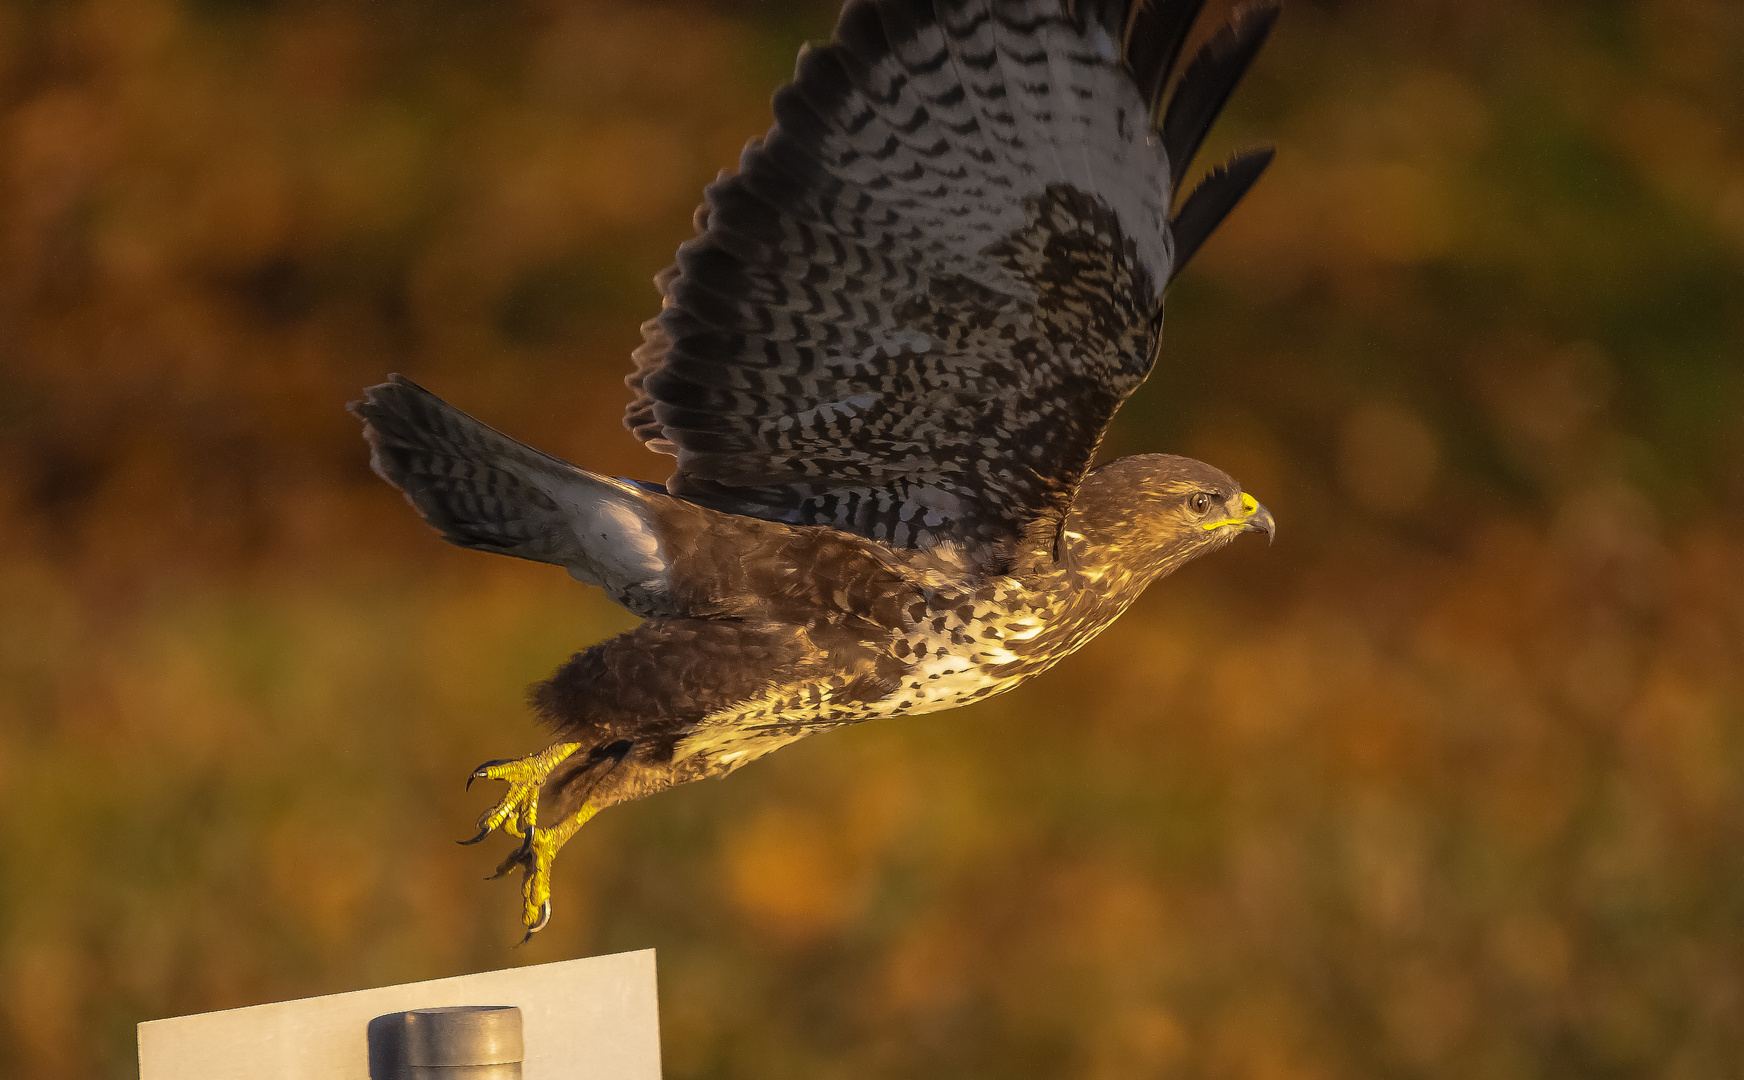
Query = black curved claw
x=544 y=920
x=478 y=773
x=482 y=833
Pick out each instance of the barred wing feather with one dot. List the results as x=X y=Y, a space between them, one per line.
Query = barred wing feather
x=913 y=310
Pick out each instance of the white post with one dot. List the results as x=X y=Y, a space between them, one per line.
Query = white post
x=592 y=1019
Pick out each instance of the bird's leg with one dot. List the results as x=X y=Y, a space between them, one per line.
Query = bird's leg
x=517 y=815
x=535 y=856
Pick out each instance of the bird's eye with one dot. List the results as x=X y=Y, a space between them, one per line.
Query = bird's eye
x=1199 y=503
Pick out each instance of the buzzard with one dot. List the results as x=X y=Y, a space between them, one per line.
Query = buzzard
x=883 y=365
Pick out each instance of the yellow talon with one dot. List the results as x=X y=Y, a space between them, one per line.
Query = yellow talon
x=518 y=815
x=540 y=852
x=518 y=812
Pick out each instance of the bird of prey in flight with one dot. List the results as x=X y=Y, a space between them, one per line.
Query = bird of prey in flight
x=883 y=364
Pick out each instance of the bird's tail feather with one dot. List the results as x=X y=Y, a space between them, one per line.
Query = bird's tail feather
x=472 y=483
x=483 y=490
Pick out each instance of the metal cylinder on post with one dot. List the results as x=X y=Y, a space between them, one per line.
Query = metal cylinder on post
x=464 y=1042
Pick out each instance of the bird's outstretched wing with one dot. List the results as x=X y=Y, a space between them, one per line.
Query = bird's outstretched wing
x=914 y=309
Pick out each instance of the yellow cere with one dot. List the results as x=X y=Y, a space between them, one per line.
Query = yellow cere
x=1249 y=506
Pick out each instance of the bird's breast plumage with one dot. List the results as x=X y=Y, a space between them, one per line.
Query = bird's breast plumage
x=949 y=647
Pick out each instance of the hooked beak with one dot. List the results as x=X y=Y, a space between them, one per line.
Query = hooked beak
x=1247 y=516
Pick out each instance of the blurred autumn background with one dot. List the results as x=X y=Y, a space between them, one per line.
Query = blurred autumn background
x=1448 y=782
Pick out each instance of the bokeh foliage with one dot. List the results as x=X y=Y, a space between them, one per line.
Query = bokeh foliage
x=1448 y=782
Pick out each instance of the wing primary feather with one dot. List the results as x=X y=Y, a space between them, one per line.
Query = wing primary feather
x=1211 y=202
x=1208 y=82
x=1113 y=15
x=905 y=19
x=1153 y=45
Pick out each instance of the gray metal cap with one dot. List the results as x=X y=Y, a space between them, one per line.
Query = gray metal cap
x=464 y=1035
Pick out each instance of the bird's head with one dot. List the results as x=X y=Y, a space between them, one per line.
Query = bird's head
x=1161 y=510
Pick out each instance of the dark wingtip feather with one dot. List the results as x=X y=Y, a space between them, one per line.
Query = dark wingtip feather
x=1209 y=80
x=905 y=19
x=1154 y=41
x=860 y=31
x=1212 y=201
x=1111 y=15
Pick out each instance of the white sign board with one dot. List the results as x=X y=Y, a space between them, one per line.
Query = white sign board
x=592 y=1019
